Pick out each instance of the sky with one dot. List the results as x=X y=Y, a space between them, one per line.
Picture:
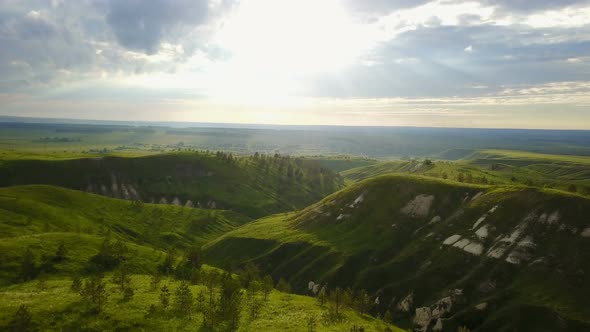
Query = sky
x=445 y=63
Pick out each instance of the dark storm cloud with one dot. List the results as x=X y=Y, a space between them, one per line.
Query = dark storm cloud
x=142 y=24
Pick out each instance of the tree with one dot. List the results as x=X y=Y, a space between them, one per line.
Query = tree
x=128 y=293
x=122 y=278
x=192 y=262
x=283 y=286
x=387 y=317
x=200 y=300
x=251 y=273
x=28 y=267
x=230 y=301
x=363 y=301
x=23 y=320
x=210 y=280
x=42 y=281
x=109 y=255
x=94 y=290
x=572 y=188
x=165 y=297
x=322 y=296
x=183 y=299
x=461 y=177
x=76 y=283
x=155 y=281
x=167 y=266
x=60 y=253
x=267 y=286
x=311 y=323
x=336 y=298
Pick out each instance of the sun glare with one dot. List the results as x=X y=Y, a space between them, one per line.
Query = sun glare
x=273 y=44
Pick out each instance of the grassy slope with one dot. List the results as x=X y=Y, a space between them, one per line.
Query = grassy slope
x=497 y=166
x=41 y=217
x=252 y=187
x=378 y=247
x=283 y=312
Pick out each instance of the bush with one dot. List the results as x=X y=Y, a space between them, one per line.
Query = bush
x=23 y=320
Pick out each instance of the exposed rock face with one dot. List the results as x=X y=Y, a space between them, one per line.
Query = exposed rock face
x=163 y=200
x=114 y=186
x=422 y=318
x=474 y=248
x=482 y=232
x=133 y=192
x=358 y=200
x=419 y=206
x=441 y=307
x=435 y=219
x=189 y=204
x=586 y=232
x=405 y=304
x=461 y=243
x=487 y=286
x=342 y=216
x=438 y=326
x=452 y=239
x=176 y=201
x=426 y=315
x=478 y=195
x=103 y=190
x=481 y=306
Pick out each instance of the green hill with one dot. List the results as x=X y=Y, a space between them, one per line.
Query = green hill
x=40 y=220
x=254 y=186
x=282 y=312
x=562 y=172
x=490 y=258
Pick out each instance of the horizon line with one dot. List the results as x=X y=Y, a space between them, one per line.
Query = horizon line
x=241 y=125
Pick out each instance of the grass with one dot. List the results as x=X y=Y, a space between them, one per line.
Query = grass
x=494 y=167
x=282 y=312
x=252 y=186
x=379 y=248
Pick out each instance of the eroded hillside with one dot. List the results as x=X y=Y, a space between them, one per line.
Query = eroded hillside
x=254 y=186
x=437 y=254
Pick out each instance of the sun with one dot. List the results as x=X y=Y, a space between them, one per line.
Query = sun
x=274 y=44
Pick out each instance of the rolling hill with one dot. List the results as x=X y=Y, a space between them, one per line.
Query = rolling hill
x=436 y=253
x=493 y=166
x=41 y=219
x=254 y=186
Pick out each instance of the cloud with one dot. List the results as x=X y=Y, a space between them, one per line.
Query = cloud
x=143 y=24
x=527 y=6
x=381 y=7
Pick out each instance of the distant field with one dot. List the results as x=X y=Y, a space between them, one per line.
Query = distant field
x=53 y=139
x=564 y=172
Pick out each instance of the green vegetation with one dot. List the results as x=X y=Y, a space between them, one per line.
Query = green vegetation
x=69 y=310
x=381 y=245
x=568 y=173
x=100 y=230
x=254 y=186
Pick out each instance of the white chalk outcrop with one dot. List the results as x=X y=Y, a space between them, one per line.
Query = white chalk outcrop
x=419 y=206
